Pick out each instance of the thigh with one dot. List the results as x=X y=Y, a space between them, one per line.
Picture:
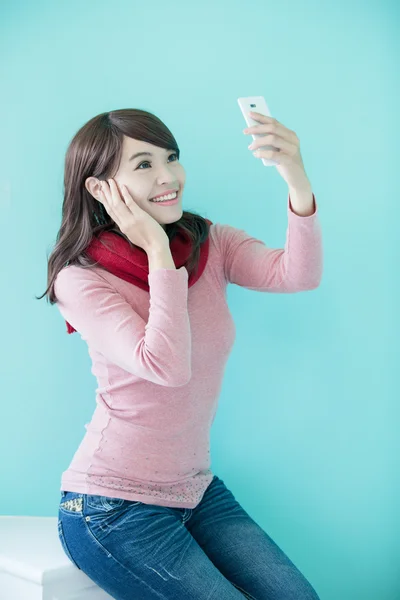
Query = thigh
x=243 y=551
x=136 y=550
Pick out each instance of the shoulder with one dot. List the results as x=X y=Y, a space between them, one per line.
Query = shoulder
x=72 y=278
x=223 y=234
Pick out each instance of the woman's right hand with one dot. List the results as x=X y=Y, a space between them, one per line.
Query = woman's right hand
x=139 y=227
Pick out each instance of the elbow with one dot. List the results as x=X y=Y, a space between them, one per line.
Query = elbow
x=180 y=380
x=295 y=289
x=309 y=284
x=303 y=284
x=313 y=286
x=317 y=283
x=175 y=371
x=181 y=375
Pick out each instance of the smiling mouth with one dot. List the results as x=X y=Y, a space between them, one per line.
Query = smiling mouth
x=168 y=200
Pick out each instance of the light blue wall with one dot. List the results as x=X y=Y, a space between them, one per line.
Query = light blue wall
x=306 y=431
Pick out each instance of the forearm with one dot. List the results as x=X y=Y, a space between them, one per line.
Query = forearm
x=160 y=257
x=302 y=201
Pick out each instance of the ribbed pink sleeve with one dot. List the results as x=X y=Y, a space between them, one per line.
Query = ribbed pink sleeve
x=159 y=350
x=248 y=262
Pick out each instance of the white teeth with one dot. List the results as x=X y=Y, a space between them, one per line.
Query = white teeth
x=163 y=198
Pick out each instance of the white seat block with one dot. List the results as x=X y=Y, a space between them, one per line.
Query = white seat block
x=33 y=565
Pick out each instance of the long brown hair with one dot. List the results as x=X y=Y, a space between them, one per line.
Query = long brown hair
x=95 y=151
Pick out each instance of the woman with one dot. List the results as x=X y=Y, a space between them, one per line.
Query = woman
x=144 y=283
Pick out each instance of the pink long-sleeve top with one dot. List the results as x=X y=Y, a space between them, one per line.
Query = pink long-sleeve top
x=159 y=358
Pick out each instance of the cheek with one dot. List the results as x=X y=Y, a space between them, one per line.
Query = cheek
x=138 y=193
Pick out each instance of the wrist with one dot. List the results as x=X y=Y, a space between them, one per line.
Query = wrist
x=158 y=248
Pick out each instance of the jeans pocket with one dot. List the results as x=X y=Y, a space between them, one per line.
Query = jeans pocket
x=64 y=544
x=74 y=504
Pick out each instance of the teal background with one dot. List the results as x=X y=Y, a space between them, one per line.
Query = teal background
x=306 y=430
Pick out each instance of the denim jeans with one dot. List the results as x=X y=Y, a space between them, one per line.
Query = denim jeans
x=143 y=551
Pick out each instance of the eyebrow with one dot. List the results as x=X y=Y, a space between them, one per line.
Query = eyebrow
x=146 y=154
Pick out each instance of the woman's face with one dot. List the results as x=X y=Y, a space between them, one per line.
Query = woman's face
x=150 y=175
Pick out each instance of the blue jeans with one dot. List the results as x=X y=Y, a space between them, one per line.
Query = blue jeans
x=143 y=551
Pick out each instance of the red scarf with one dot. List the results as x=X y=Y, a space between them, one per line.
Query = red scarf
x=132 y=264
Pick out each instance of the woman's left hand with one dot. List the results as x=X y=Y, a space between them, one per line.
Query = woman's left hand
x=290 y=166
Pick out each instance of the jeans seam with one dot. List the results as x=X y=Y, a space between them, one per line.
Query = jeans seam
x=64 y=544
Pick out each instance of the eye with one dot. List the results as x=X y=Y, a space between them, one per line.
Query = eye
x=147 y=162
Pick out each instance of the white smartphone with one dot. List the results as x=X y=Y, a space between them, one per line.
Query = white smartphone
x=257 y=104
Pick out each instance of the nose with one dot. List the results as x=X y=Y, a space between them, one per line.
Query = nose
x=167 y=177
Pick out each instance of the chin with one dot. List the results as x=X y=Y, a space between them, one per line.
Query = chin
x=173 y=218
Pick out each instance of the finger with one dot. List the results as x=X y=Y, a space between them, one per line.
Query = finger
x=256 y=116
x=128 y=199
x=105 y=192
x=123 y=209
x=275 y=128
x=264 y=120
x=117 y=196
x=106 y=201
x=273 y=140
x=281 y=157
x=114 y=192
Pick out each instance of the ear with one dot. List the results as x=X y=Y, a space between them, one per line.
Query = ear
x=93 y=187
